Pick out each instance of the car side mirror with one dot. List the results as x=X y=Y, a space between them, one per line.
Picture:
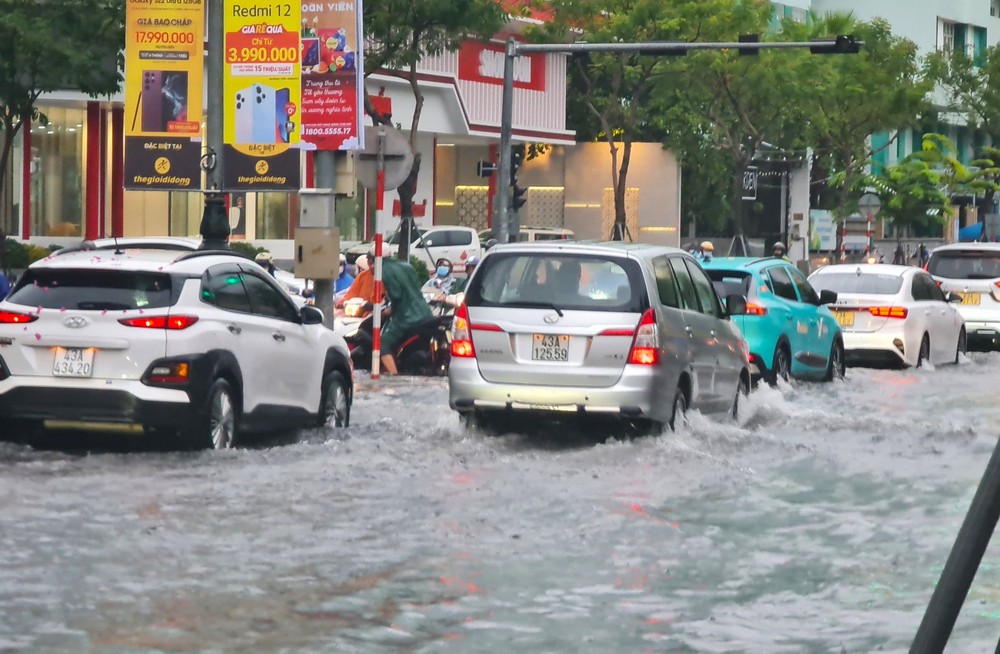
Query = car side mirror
x=827 y=296
x=736 y=305
x=311 y=315
x=952 y=296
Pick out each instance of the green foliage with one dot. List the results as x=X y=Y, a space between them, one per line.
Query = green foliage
x=249 y=250
x=971 y=85
x=49 y=46
x=19 y=255
x=420 y=267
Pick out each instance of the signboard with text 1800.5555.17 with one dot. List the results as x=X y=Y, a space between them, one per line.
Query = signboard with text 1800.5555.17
x=332 y=75
x=164 y=64
x=261 y=99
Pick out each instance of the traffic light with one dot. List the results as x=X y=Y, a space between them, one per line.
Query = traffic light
x=750 y=38
x=516 y=192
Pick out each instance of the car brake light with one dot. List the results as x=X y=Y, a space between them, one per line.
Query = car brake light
x=754 y=309
x=888 y=312
x=461 y=334
x=160 y=322
x=646 y=344
x=14 y=318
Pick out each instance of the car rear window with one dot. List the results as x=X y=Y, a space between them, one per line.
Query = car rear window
x=857 y=282
x=92 y=290
x=965 y=264
x=730 y=282
x=564 y=281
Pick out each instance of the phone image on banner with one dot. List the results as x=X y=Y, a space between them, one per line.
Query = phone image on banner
x=264 y=114
x=244 y=116
x=152 y=102
x=283 y=125
x=175 y=97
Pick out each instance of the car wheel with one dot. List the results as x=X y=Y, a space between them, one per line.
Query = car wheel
x=217 y=429
x=835 y=367
x=963 y=344
x=678 y=416
x=23 y=429
x=474 y=420
x=335 y=408
x=782 y=365
x=925 y=351
x=742 y=391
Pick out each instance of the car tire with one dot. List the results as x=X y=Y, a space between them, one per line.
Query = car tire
x=963 y=344
x=678 y=416
x=924 y=354
x=836 y=366
x=217 y=426
x=742 y=392
x=335 y=406
x=22 y=429
x=474 y=420
x=781 y=365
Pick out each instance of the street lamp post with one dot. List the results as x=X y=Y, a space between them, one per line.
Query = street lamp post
x=214 y=222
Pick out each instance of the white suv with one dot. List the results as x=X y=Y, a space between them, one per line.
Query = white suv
x=201 y=344
x=453 y=242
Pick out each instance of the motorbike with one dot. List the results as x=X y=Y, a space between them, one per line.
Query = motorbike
x=426 y=352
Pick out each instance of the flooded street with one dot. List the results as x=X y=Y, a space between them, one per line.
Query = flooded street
x=820 y=523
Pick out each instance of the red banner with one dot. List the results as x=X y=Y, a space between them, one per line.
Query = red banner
x=483 y=62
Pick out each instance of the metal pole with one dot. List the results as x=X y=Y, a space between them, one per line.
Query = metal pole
x=214 y=222
x=501 y=219
x=963 y=562
x=377 y=310
x=325 y=177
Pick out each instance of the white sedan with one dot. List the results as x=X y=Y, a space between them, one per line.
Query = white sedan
x=893 y=315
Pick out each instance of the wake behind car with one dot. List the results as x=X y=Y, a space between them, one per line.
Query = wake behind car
x=203 y=345
x=893 y=315
x=569 y=330
x=973 y=271
x=787 y=325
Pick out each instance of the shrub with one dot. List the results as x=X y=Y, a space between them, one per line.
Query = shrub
x=249 y=250
x=16 y=254
x=420 y=267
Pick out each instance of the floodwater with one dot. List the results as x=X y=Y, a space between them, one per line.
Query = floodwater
x=819 y=523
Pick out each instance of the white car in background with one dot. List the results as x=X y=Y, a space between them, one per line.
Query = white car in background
x=893 y=315
x=452 y=242
x=973 y=271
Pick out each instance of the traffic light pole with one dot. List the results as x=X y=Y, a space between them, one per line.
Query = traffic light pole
x=214 y=222
x=504 y=219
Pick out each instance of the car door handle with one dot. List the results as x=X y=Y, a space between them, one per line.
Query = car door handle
x=278 y=336
x=688 y=330
x=236 y=329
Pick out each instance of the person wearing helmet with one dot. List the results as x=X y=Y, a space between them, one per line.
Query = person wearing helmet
x=443 y=280
x=780 y=251
x=457 y=295
x=344 y=278
x=266 y=261
x=364 y=284
x=707 y=250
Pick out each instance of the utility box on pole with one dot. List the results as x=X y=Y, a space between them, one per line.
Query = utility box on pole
x=317 y=252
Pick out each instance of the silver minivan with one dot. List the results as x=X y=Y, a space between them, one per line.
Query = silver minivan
x=562 y=330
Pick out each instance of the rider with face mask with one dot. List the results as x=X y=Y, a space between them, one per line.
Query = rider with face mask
x=442 y=280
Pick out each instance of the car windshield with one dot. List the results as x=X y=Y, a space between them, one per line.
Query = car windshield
x=965 y=264
x=730 y=282
x=92 y=290
x=562 y=281
x=857 y=282
x=396 y=237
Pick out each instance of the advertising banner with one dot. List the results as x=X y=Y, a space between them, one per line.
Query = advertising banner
x=332 y=75
x=164 y=63
x=822 y=231
x=261 y=95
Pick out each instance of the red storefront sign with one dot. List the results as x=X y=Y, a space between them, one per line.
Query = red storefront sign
x=483 y=62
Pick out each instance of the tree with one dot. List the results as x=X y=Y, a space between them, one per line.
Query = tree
x=48 y=46
x=880 y=88
x=401 y=33
x=971 y=85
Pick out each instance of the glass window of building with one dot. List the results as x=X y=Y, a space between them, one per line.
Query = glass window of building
x=57 y=167
x=273 y=212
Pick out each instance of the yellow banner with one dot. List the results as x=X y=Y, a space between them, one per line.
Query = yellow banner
x=164 y=64
x=262 y=76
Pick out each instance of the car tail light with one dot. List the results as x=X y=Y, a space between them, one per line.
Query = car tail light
x=461 y=334
x=646 y=344
x=15 y=318
x=169 y=372
x=888 y=312
x=754 y=309
x=160 y=322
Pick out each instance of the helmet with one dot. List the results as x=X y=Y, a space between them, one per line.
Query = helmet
x=343 y=259
x=263 y=257
x=472 y=262
x=707 y=245
x=443 y=262
x=778 y=245
x=362 y=262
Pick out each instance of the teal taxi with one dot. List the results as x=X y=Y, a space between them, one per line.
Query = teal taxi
x=787 y=325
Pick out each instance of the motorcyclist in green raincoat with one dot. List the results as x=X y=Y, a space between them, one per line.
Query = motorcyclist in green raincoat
x=408 y=308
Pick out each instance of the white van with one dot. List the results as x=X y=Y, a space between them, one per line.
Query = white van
x=452 y=242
